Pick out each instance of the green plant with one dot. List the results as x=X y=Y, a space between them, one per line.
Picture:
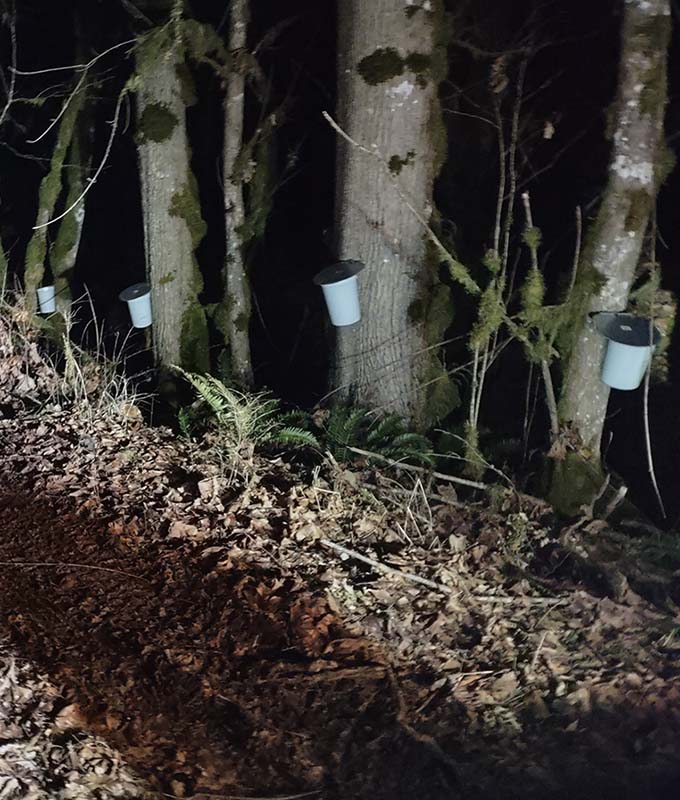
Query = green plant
x=347 y=426
x=243 y=422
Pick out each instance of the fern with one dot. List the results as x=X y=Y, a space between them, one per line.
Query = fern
x=348 y=427
x=295 y=437
x=244 y=421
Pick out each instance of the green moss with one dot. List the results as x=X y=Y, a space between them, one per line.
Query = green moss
x=416 y=311
x=640 y=204
x=156 y=124
x=50 y=189
x=187 y=85
x=575 y=482
x=532 y=238
x=381 y=66
x=194 y=347
x=205 y=46
x=169 y=277
x=664 y=163
x=396 y=163
x=185 y=205
x=655 y=34
x=421 y=65
x=242 y=322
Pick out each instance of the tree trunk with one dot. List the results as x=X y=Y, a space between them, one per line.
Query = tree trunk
x=64 y=249
x=237 y=290
x=615 y=242
x=48 y=194
x=173 y=226
x=387 y=101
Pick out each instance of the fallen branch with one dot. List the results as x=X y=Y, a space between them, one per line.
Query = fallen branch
x=383 y=567
x=422 y=470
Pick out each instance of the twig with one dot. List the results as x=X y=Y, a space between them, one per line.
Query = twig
x=32 y=564
x=62 y=111
x=422 y=470
x=550 y=399
x=91 y=181
x=383 y=567
x=577 y=250
x=76 y=67
x=534 y=660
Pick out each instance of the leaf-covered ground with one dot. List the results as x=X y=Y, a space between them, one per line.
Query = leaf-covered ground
x=169 y=632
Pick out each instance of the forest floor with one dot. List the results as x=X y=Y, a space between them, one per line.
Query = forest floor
x=169 y=632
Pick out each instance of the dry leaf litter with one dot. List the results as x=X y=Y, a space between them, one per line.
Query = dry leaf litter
x=322 y=629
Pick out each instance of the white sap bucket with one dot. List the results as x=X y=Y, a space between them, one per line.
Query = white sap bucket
x=628 y=348
x=138 y=299
x=47 y=299
x=340 y=288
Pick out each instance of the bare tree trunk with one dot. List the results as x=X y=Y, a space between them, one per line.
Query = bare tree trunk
x=173 y=226
x=618 y=233
x=387 y=101
x=237 y=290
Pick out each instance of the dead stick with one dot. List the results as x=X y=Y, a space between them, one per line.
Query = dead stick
x=383 y=567
x=422 y=470
x=31 y=564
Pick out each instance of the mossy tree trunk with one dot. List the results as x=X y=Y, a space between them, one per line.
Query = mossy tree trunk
x=237 y=290
x=173 y=226
x=388 y=75
x=64 y=249
x=48 y=195
x=615 y=241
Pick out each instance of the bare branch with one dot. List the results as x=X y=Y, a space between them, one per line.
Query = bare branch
x=105 y=157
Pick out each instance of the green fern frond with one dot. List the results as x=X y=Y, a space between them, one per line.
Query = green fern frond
x=295 y=437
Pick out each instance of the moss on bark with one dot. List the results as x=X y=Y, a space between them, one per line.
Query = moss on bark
x=156 y=124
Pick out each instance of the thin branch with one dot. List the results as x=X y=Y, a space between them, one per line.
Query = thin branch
x=70 y=565
x=550 y=399
x=75 y=67
x=410 y=576
x=62 y=111
x=577 y=250
x=648 y=374
x=422 y=470
x=91 y=181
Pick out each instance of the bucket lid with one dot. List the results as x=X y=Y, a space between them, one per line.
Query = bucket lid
x=134 y=291
x=337 y=272
x=625 y=329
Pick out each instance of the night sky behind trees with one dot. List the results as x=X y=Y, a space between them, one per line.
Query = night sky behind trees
x=567 y=55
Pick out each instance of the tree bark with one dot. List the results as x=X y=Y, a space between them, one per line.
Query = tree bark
x=64 y=249
x=616 y=240
x=173 y=226
x=48 y=195
x=387 y=101
x=237 y=290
